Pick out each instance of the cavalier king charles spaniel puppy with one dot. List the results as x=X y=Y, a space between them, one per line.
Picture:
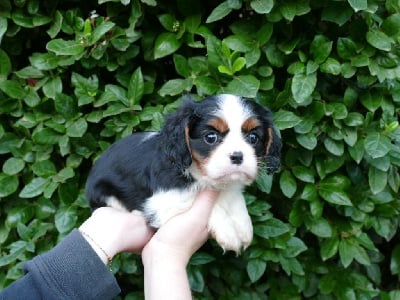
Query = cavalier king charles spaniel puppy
x=218 y=143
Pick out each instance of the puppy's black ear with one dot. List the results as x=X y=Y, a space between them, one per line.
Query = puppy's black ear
x=175 y=135
x=273 y=145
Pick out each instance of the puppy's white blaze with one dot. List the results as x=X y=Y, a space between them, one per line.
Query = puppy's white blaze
x=232 y=110
x=234 y=113
x=166 y=204
x=115 y=203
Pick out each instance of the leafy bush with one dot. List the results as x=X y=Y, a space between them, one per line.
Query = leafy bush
x=77 y=76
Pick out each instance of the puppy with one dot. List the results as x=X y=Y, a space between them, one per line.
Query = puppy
x=217 y=143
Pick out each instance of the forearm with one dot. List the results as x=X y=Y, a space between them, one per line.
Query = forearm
x=71 y=270
x=165 y=277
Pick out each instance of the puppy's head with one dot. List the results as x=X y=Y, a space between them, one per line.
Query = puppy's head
x=228 y=137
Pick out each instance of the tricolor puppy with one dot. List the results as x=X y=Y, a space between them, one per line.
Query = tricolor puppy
x=219 y=143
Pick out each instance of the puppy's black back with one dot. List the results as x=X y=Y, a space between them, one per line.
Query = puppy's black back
x=132 y=170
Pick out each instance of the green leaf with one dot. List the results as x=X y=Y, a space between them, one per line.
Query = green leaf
x=13 y=256
x=34 y=188
x=334 y=147
x=337 y=12
x=379 y=40
x=201 y=258
x=44 y=61
x=46 y=136
x=5 y=64
x=219 y=12
x=181 y=65
x=13 y=166
x=238 y=64
x=44 y=168
x=262 y=6
x=291 y=265
x=53 y=87
x=8 y=184
x=303 y=86
x=239 y=43
x=284 y=119
x=100 y=30
x=243 y=85
x=65 y=219
x=255 y=269
x=57 y=23
x=174 y=87
x=294 y=246
x=303 y=173
x=395 y=261
x=320 y=48
x=12 y=89
x=287 y=184
x=166 y=44
x=62 y=47
x=332 y=193
x=77 y=128
x=167 y=21
x=136 y=87
x=3 y=27
x=377 y=145
x=264 y=181
x=308 y=141
x=331 y=66
x=63 y=175
x=358 y=5
x=329 y=247
x=29 y=72
x=271 y=228
x=321 y=228
x=192 y=23
x=377 y=180
x=391 y=25
x=309 y=193
x=371 y=101
x=346 y=252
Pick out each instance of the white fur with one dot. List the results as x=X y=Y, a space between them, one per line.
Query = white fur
x=114 y=202
x=166 y=204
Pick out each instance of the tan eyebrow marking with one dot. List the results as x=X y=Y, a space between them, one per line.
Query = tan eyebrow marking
x=250 y=124
x=219 y=124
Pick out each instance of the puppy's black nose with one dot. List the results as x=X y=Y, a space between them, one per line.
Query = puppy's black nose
x=236 y=157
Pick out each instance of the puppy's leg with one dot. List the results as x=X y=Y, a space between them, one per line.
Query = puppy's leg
x=230 y=223
x=222 y=229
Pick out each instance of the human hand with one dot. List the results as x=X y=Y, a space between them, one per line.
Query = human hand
x=113 y=231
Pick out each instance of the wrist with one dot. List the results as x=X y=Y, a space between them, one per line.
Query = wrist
x=100 y=251
x=158 y=253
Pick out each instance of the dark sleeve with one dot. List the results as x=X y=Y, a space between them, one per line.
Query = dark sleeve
x=71 y=270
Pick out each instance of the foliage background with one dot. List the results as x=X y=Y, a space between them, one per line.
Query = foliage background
x=72 y=81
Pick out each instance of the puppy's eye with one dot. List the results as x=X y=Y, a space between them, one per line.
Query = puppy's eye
x=252 y=138
x=211 y=138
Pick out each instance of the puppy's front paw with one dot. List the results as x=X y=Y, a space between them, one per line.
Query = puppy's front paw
x=224 y=231
x=244 y=229
x=226 y=237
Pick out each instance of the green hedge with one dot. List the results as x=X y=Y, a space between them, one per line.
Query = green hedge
x=75 y=76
